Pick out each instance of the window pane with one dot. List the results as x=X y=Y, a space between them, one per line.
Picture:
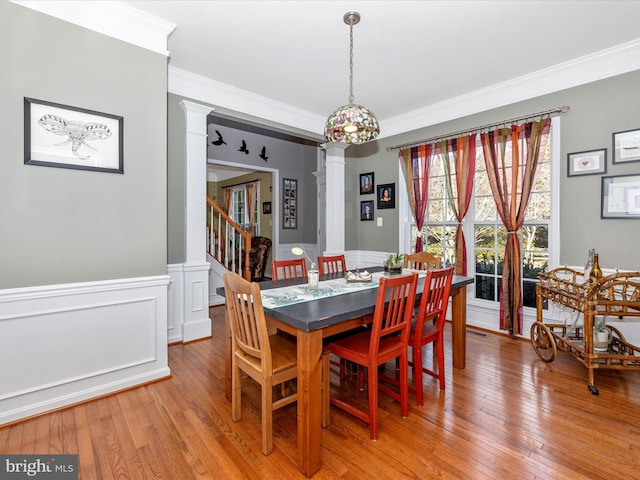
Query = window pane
x=436 y=211
x=485 y=236
x=539 y=207
x=485 y=209
x=485 y=287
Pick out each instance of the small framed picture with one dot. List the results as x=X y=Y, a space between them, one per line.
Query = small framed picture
x=626 y=146
x=266 y=208
x=63 y=136
x=366 y=183
x=366 y=210
x=386 y=196
x=620 y=197
x=289 y=200
x=590 y=162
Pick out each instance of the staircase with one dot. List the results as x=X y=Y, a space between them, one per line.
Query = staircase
x=228 y=244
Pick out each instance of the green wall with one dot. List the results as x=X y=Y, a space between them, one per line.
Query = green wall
x=597 y=110
x=62 y=225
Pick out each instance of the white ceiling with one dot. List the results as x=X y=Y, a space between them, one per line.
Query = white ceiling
x=408 y=55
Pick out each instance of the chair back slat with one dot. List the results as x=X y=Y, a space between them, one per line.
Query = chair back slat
x=435 y=298
x=246 y=318
x=331 y=264
x=422 y=261
x=282 y=269
x=394 y=307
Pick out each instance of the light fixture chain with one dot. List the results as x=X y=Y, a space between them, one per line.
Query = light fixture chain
x=351 y=63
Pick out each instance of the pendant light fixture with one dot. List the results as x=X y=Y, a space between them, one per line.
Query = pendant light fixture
x=351 y=123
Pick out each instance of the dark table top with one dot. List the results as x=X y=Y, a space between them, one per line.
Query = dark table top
x=324 y=312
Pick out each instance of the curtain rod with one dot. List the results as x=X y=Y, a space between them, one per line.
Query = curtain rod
x=241 y=183
x=563 y=109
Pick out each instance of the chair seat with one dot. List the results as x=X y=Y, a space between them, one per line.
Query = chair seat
x=429 y=333
x=283 y=356
x=356 y=348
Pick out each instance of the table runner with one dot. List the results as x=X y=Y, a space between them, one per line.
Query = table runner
x=283 y=296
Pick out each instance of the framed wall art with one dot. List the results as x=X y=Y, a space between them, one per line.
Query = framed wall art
x=366 y=210
x=289 y=203
x=621 y=197
x=626 y=146
x=266 y=208
x=366 y=183
x=61 y=136
x=587 y=163
x=386 y=195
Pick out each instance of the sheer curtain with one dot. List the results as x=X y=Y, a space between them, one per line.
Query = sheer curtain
x=511 y=156
x=415 y=168
x=459 y=162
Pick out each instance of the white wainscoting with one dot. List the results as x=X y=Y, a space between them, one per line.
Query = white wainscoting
x=63 y=344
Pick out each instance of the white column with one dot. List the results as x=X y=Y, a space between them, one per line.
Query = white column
x=334 y=225
x=196 y=322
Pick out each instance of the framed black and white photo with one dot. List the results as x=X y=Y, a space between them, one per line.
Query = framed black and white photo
x=386 y=196
x=289 y=203
x=61 y=136
x=366 y=210
x=620 y=197
x=366 y=183
x=590 y=162
x=626 y=146
x=266 y=208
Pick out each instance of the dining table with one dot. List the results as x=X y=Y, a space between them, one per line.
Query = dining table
x=310 y=315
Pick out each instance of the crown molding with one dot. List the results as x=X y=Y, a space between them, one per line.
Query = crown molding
x=112 y=18
x=197 y=87
x=606 y=63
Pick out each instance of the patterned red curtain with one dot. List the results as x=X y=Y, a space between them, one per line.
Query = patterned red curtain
x=459 y=161
x=415 y=168
x=511 y=156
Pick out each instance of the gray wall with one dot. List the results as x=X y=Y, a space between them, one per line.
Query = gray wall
x=62 y=225
x=597 y=110
x=291 y=159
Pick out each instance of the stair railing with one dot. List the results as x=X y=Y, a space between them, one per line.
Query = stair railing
x=228 y=242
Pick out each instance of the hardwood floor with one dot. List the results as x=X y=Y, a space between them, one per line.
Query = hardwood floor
x=508 y=415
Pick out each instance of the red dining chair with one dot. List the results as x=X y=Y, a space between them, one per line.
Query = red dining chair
x=289 y=268
x=331 y=264
x=429 y=328
x=384 y=341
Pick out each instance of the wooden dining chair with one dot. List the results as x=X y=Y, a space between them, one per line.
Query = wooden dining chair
x=428 y=328
x=331 y=264
x=269 y=360
x=384 y=341
x=289 y=268
x=421 y=261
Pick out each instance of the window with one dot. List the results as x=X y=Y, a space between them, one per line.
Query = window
x=485 y=235
x=239 y=213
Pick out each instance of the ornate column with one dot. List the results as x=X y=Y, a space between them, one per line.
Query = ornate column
x=196 y=323
x=334 y=221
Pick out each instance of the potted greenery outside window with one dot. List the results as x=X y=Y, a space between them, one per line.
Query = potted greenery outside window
x=393 y=264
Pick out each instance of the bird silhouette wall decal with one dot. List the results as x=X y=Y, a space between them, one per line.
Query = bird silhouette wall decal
x=263 y=154
x=243 y=148
x=219 y=141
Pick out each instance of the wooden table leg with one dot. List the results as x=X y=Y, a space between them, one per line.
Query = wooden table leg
x=309 y=401
x=227 y=356
x=459 y=326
